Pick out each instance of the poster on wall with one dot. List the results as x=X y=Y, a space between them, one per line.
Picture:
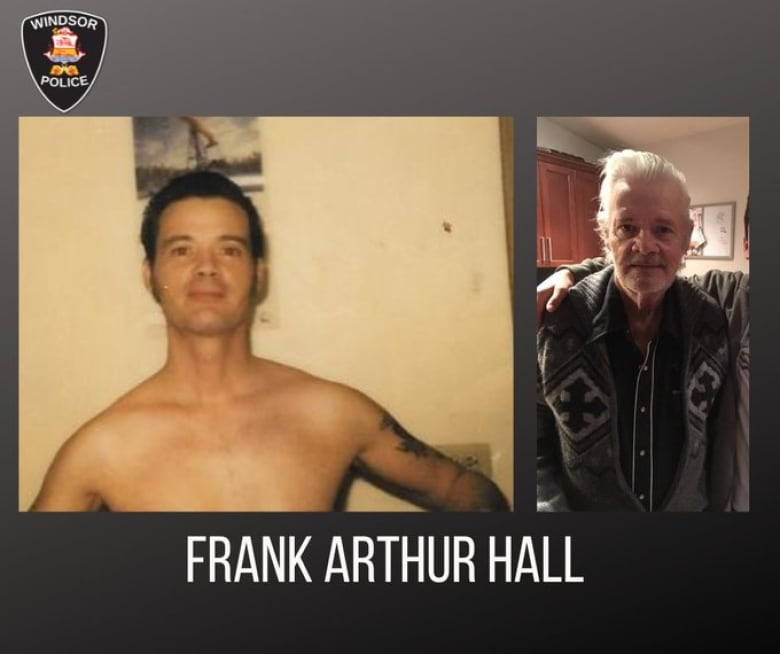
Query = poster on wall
x=169 y=146
x=713 y=231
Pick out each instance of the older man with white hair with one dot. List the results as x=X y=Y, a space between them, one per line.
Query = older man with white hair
x=631 y=367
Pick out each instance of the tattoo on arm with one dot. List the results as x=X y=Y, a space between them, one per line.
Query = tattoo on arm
x=408 y=442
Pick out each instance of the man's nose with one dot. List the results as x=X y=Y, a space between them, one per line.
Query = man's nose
x=206 y=265
x=645 y=242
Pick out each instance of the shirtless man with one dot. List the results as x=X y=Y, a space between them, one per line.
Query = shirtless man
x=218 y=429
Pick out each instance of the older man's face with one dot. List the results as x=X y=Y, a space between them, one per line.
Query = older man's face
x=649 y=230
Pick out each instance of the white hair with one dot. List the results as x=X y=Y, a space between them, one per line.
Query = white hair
x=633 y=164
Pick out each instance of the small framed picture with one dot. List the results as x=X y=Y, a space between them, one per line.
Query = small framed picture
x=169 y=146
x=713 y=231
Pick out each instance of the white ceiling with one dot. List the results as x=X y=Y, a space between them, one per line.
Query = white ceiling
x=611 y=132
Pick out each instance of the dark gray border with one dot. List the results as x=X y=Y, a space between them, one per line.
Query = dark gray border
x=116 y=583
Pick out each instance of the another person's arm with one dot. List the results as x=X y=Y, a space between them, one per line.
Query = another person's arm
x=724 y=286
x=551 y=292
x=727 y=287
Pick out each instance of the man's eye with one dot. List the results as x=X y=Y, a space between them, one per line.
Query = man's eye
x=180 y=251
x=626 y=229
x=232 y=251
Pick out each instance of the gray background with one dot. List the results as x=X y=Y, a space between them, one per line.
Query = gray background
x=116 y=582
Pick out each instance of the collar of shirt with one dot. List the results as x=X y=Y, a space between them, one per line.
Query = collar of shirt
x=612 y=318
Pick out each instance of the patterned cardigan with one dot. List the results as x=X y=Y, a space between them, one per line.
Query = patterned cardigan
x=578 y=462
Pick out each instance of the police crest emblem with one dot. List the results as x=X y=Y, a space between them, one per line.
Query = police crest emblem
x=64 y=51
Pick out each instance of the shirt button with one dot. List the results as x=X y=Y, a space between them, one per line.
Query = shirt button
x=642 y=409
x=641 y=452
x=645 y=368
x=641 y=496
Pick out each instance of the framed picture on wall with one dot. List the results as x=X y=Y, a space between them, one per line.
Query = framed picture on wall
x=172 y=145
x=713 y=231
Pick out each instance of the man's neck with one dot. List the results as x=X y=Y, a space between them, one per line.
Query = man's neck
x=643 y=313
x=205 y=369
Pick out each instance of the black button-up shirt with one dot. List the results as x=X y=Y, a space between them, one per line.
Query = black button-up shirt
x=649 y=398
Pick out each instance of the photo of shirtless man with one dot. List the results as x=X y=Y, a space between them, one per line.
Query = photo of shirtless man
x=219 y=429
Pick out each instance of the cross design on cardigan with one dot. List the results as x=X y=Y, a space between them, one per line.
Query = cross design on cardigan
x=703 y=390
x=576 y=407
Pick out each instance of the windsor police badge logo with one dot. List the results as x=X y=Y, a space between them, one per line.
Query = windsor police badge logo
x=64 y=51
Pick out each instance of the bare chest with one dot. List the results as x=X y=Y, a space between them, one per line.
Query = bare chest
x=237 y=460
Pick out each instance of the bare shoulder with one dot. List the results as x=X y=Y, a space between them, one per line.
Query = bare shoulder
x=336 y=410
x=98 y=437
x=74 y=479
x=82 y=468
x=107 y=428
x=326 y=402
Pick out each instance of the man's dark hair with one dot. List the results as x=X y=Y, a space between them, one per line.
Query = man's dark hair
x=199 y=184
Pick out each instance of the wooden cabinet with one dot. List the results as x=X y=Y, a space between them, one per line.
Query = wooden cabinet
x=567 y=191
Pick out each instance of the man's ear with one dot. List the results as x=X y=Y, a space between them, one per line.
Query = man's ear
x=146 y=270
x=149 y=281
x=261 y=280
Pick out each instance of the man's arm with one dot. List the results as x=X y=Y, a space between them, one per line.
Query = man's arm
x=70 y=483
x=740 y=500
x=550 y=495
x=732 y=429
x=392 y=456
x=395 y=460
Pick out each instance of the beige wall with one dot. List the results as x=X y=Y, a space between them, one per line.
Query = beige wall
x=367 y=288
x=717 y=167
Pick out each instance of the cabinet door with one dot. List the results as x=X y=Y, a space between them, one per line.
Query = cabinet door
x=541 y=245
x=587 y=199
x=558 y=214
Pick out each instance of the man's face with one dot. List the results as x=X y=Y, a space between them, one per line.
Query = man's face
x=649 y=232
x=203 y=276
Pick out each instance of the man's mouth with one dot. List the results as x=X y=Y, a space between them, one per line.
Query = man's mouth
x=205 y=293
